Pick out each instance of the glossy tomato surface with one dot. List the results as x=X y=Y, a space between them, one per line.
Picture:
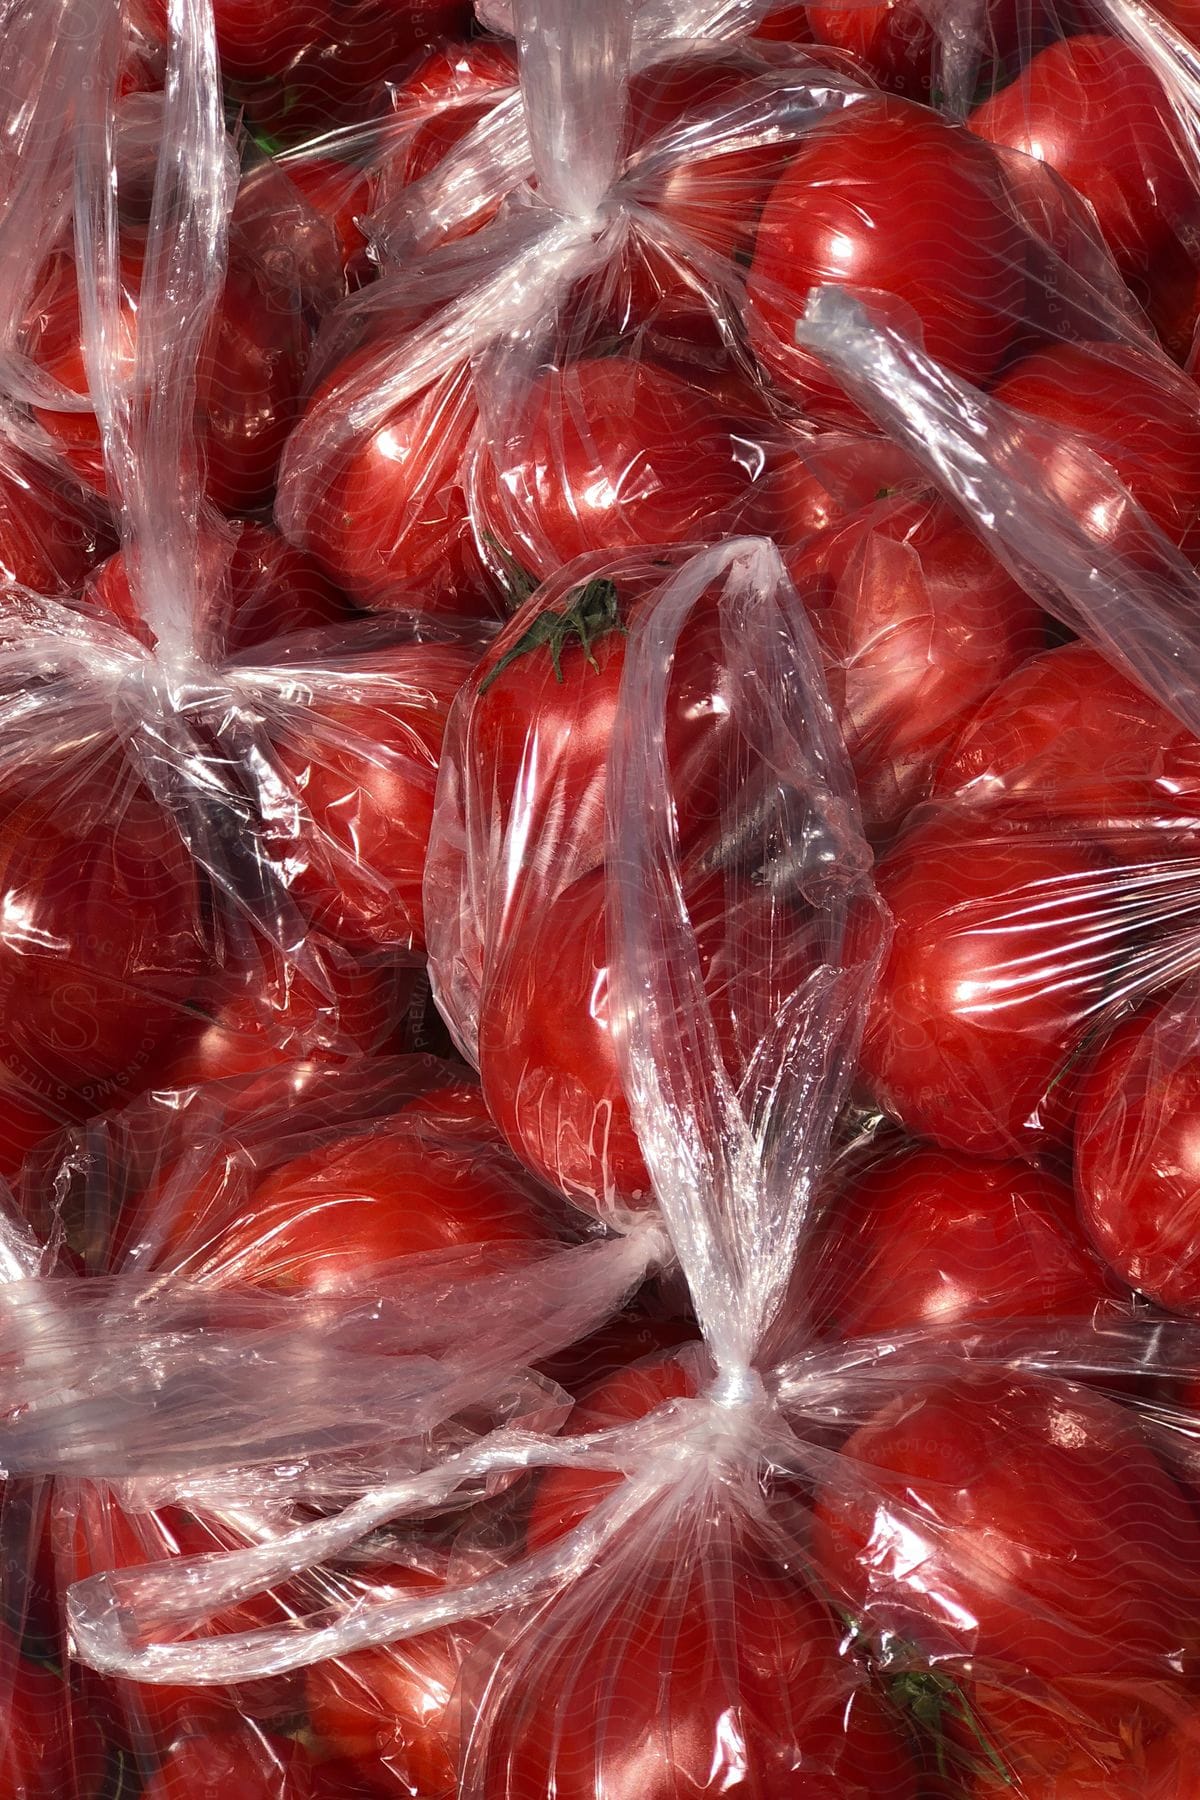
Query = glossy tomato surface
x=931 y=1238
x=241 y=1760
x=1019 y=1519
x=890 y=201
x=341 y=1216
x=41 y=1756
x=364 y=763
x=388 y=514
x=659 y=1686
x=613 y=453
x=1133 y=409
x=1070 y=737
x=391 y=1710
x=1137 y=1155
x=918 y=622
x=1006 y=942
x=828 y=480
x=1094 y=110
x=51 y=535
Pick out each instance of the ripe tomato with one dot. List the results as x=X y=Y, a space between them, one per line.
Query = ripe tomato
x=334 y=197
x=656 y=1686
x=266 y=588
x=825 y=482
x=364 y=763
x=1137 y=1155
x=1095 y=111
x=448 y=93
x=241 y=1760
x=391 y=1711
x=1133 y=410
x=547 y=1060
x=248 y=379
x=1018 y=1519
x=629 y=1337
x=1167 y=1769
x=564 y=1497
x=251 y=45
x=50 y=534
x=93 y=1534
x=267 y=1017
x=544 y=706
x=337 y=1218
x=897 y=40
x=1068 y=737
x=47 y=1749
x=932 y=1238
x=1006 y=941
x=786 y=24
x=918 y=621
x=614 y=453
x=891 y=201
x=103 y=939
x=389 y=518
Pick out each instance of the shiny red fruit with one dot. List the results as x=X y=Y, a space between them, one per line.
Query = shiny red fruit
x=930 y=1238
x=50 y=534
x=1129 y=407
x=338 y=1218
x=1070 y=738
x=391 y=1711
x=388 y=518
x=364 y=763
x=1137 y=1155
x=1006 y=942
x=1095 y=111
x=248 y=380
x=825 y=482
x=907 y=211
x=1018 y=1519
x=918 y=622
x=613 y=453
x=713 y=1677
x=1167 y=1769
x=102 y=939
x=45 y=1751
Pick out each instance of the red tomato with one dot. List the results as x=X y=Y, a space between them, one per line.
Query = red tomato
x=455 y=88
x=365 y=765
x=241 y=1761
x=544 y=706
x=95 y=1535
x=45 y=1753
x=1005 y=943
x=825 y=482
x=1168 y=1769
x=547 y=1060
x=1094 y=110
x=786 y=24
x=698 y=1680
x=251 y=43
x=248 y=381
x=930 y=1238
x=265 y=1018
x=102 y=940
x=1137 y=1156
x=893 y=202
x=389 y=522
x=564 y=1497
x=715 y=189
x=918 y=622
x=337 y=1218
x=629 y=1337
x=1068 y=737
x=50 y=535
x=460 y=1104
x=614 y=453
x=1133 y=410
x=265 y=589
x=1014 y=1518
x=340 y=195
x=391 y=1711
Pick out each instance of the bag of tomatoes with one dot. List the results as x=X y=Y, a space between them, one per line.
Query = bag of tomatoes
x=913 y=1510
x=218 y=782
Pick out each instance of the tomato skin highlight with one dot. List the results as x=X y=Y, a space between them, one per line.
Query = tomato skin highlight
x=841 y=213
x=1018 y=1519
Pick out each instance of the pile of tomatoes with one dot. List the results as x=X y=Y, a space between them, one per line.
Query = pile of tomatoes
x=554 y=882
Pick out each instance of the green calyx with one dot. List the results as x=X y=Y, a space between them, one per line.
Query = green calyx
x=592 y=612
x=931 y=1700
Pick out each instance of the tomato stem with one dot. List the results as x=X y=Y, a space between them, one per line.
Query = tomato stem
x=592 y=612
